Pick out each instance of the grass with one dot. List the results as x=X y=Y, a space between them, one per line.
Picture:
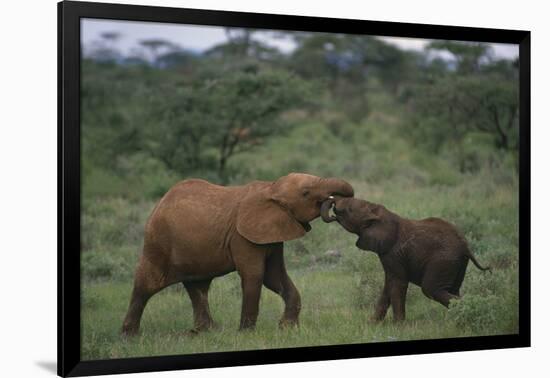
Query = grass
x=338 y=290
x=330 y=316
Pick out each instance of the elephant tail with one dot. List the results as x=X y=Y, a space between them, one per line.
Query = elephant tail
x=476 y=263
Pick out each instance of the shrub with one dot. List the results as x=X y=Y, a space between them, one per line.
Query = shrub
x=490 y=302
x=97 y=265
x=117 y=265
x=474 y=312
x=113 y=222
x=466 y=219
x=485 y=314
x=367 y=289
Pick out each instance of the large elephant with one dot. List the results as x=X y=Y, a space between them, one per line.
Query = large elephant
x=199 y=231
x=430 y=253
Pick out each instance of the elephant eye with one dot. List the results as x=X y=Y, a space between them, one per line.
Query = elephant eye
x=305 y=193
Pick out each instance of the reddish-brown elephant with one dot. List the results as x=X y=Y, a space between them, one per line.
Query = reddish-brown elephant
x=199 y=231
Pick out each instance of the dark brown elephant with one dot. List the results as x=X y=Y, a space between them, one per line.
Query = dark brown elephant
x=430 y=253
x=199 y=231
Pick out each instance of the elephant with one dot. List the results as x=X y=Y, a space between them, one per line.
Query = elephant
x=199 y=231
x=430 y=253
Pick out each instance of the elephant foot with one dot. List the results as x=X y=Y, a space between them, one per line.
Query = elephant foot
x=202 y=328
x=377 y=317
x=129 y=332
x=288 y=323
x=375 y=320
x=192 y=332
x=247 y=327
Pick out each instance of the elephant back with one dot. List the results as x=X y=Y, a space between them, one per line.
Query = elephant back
x=193 y=214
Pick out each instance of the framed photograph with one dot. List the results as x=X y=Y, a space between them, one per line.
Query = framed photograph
x=239 y=188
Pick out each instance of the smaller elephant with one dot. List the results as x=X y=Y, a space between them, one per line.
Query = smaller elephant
x=430 y=253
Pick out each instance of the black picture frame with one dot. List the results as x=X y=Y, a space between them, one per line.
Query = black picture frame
x=69 y=194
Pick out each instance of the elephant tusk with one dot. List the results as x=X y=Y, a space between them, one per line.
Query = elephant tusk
x=325 y=210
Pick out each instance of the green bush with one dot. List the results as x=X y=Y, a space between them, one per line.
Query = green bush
x=466 y=219
x=475 y=312
x=484 y=314
x=101 y=265
x=367 y=290
x=490 y=302
x=113 y=222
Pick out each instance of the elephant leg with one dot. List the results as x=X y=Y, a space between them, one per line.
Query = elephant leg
x=383 y=302
x=147 y=282
x=438 y=281
x=138 y=300
x=277 y=280
x=455 y=288
x=249 y=261
x=440 y=295
x=398 y=296
x=198 y=293
x=444 y=297
x=252 y=288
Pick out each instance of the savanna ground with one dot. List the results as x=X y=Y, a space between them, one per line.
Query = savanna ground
x=421 y=136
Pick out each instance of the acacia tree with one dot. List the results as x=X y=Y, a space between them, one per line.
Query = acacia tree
x=111 y=36
x=105 y=50
x=351 y=67
x=479 y=97
x=249 y=107
x=242 y=48
x=207 y=122
x=467 y=56
x=495 y=102
x=154 y=47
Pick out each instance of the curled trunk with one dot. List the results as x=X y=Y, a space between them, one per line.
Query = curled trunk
x=339 y=187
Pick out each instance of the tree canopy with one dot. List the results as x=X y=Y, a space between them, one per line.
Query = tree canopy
x=194 y=111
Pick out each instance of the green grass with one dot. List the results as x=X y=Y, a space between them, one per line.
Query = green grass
x=336 y=305
x=331 y=314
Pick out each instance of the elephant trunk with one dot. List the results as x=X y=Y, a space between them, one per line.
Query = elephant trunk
x=337 y=187
x=325 y=210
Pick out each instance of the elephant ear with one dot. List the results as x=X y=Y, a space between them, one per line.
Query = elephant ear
x=262 y=220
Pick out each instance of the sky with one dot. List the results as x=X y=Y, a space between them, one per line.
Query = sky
x=200 y=38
